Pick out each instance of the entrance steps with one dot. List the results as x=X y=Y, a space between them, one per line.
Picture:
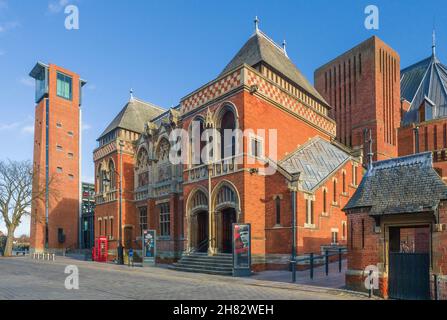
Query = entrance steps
x=219 y=264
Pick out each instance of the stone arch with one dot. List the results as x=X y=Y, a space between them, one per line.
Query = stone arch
x=227 y=117
x=226 y=210
x=197 y=158
x=141 y=167
x=197 y=205
x=224 y=108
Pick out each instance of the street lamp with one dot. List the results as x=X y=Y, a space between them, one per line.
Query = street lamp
x=293 y=187
x=120 y=222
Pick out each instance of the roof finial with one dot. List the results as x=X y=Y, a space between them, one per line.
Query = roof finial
x=433 y=46
x=131 y=95
x=256 y=23
x=284 y=44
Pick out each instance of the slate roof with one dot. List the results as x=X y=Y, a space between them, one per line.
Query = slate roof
x=260 y=48
x=133 y=116
x=425 y=80
x=317 y=160
x=401 y=185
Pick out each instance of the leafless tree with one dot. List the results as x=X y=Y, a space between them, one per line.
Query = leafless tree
x=16 y=195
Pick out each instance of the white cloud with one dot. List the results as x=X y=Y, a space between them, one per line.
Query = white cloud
x=86 y=126
x=88 y=179
x=7 y=26
x=29 y=82
x=9 y=126
x=57 y=6
x=28 y=129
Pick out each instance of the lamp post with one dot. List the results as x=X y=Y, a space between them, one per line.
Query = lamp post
x=120 y=222
x=293 y=187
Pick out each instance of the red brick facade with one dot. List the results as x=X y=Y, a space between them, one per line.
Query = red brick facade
x=63 y=163
x=363 y=88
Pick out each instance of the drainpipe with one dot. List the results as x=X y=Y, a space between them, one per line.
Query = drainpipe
x=416 y=139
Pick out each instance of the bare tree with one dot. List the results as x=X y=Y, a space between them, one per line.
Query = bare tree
x=16 y=196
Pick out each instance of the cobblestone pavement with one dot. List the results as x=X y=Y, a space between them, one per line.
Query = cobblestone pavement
x=24 y=278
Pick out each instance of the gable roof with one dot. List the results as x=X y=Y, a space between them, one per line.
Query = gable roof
x=401 y=185
x=425 y=80
x=133 y=116
x=260 y=48
x=316 y=160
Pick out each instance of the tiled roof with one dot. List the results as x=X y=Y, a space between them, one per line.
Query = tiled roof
x=260 y=48
x=317 y=160
x=133 y=116
x=401 y=185
x=425 y=80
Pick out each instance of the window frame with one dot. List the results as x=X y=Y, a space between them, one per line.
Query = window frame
x=60 y=92
x=165 y=219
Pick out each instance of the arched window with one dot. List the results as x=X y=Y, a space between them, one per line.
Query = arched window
x=142 y=168
x=278 y=209
x=324 y=201
x=102 y=179
x=112 y=175
x=227 y=135
x=226 y=195
x=335 y=191
x=196 y=144
x=163 y=164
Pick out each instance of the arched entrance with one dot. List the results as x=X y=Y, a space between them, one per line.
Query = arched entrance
x=227 y=211
x=198 y=221
x=201 y=244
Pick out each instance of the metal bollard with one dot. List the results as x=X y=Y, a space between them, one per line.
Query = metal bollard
x=311 y=266
x=326 y=262
x=339 y=260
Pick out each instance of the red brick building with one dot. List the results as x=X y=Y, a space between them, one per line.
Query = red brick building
x=397 y=222
x=286 y=130
x=55 y=220
x=424 y=111
x=362 y=85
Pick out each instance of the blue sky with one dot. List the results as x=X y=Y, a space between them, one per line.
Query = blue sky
x=166 y=49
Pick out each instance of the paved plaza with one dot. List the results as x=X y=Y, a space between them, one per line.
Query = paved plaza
x=24 y=278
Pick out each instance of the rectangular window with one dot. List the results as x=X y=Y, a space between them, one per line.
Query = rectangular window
x=343 y=226
x=435 y=137
x=111 y=227
x=70 y=155
x=59 y=170
x=59 y=148
x=70 y=133
x=325 y=201
x=71 y=177
x=363 y=234
x=278 y=210
x=335 y=192
x=351 y=234
x=335 y=237
x=256 y=147
x=309 y=212
x=59 y=125
x=64 y=86
x=165 y=220
x=143 y=218
x=100 y=227
x=344 y=182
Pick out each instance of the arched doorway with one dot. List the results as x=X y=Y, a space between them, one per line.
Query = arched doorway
x=198 y=221
x=201 y=244
x=228 y=218
x=227 y=208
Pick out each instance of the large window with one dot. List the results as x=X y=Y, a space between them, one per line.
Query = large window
x=165 y=220
x=143 y=218
x=64 y=86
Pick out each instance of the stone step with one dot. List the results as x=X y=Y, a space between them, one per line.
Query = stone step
x=203 y=259
x=204 y=267
x=195 y=270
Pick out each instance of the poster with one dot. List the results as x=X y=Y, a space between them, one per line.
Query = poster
x=241 y=249
x=149 y=246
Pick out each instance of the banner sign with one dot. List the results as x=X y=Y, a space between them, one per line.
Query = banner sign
x=149 y=247
x=241 y=249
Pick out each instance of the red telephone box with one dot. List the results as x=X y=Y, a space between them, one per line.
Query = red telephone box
x=100 y=250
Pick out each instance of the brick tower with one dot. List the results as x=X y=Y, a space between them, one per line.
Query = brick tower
x=57 y=136
x=363 y=87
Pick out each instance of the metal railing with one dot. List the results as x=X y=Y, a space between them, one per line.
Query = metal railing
x=199 y=247
x=326 y=256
